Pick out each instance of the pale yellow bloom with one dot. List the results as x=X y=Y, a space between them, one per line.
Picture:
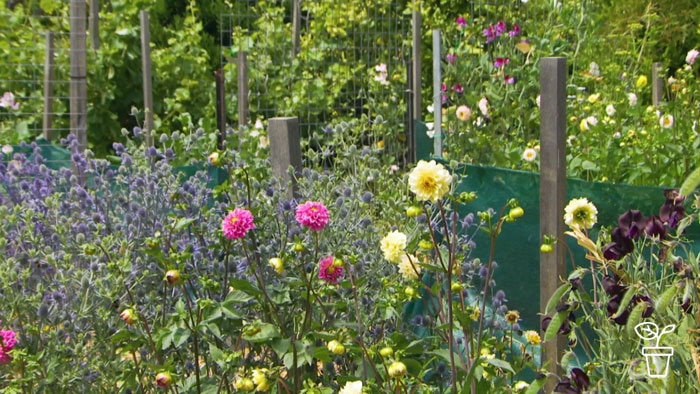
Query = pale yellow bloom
x=393 y=246
x=641 y=81
x=352 y=388
x=580 y=213
x=429 y=181
x=408 y=267
x=533 y=337
x=260 y=380
x=464 y=113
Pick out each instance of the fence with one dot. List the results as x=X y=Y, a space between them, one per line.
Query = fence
x=362 y=64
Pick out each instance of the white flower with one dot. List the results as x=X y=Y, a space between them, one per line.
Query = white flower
x=610 y=110
x=594 y=69
x=691 y=56
x=617 y=134
x=380 y=68
x=592 y=121
x=431 y=129
x=580 y=213
x=258 y=124
x=632 y=98
x=537 y=100
x=529 y=155
x=408 y=267
x=393 y=168
x=7 y=149
x=352 y=388
x=666 y=121
x=430 y=108
x=484 y=106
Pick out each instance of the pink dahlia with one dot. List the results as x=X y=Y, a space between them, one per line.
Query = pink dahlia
x=8 y=340
x=237 y=223
x=329 y=271
x=313 y=215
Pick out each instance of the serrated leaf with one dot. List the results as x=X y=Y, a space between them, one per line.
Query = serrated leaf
x=554 y=325
x=690 y=183
x=554 y=299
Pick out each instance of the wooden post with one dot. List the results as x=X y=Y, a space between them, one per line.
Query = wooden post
x=48 y=87
x=147 y=80
x=220 y=106
x=657 y=83
x=242 y=88
x=78 y=72
x=410 y=116
x=416 y=75
x=285 y=151
x=437 y=94
x=552 y=192
x=296 y=27
x=95 y=23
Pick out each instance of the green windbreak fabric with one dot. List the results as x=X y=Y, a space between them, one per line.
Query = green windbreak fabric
x=517 y=248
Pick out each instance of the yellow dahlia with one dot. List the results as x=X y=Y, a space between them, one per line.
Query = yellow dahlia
x=408 y=267
x=393 y=245
x=429 y=181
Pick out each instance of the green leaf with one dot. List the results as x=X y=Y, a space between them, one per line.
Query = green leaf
x=245 y=286
x=502 y=364
x=265 y=332
x=690 y=183
x=182 y=223
x=445 y=355
x=556 y=297
x=555 y=324
x=217 y=355
x=536 y=386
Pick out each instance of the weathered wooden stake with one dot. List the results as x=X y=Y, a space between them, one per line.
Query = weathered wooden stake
x=78 y=72
x=552 y=192
x=48 y=87
x=95 y=23
x=220 y=106
x=285 y=151
x=437 y=94
x=242 y=88
x=416 y=74
x=657 y=83
x=147 y=80
x=296 y=27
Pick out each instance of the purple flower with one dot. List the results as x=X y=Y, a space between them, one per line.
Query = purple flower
x=461 y=22
x=457 y=88
x=490 y=34
x=509 y=79
x=501 y=28
x=451 y=58
x=501 y=62
x=514 y=31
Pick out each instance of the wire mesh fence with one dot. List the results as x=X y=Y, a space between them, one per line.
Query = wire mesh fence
x=30 y=44
x=319 y=69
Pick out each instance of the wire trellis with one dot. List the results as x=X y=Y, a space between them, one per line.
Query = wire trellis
x=341 y=71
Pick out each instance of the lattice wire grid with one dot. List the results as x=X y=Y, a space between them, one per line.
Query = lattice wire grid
x=349 y=58
x=22 y=73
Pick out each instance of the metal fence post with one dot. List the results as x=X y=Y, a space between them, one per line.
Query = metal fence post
x=437 y=93
x=78 y=72
x=147 y=80
x=48 y=87
x=657 y=83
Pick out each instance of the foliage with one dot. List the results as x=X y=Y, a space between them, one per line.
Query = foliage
x=639 y=281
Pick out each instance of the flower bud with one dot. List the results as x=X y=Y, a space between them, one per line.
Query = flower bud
x=516 y=213
x=164 y=379
x=336 y=347
x=546 y=248
x=425 y=244
x=410 y=291
x=298 y=247
x=245 y=384
x=397 y=369
x=467 y=197
x=456 y=287
x=214 y=159
x=172 y=277
x=386 y=351
x=128 y=315
x=413 y=211
x=277 y=264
